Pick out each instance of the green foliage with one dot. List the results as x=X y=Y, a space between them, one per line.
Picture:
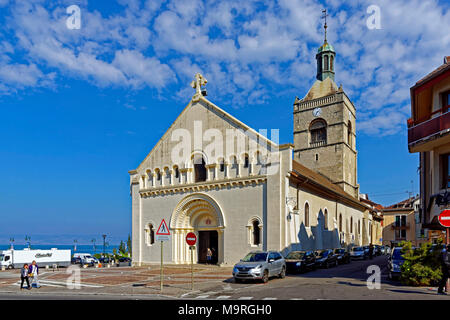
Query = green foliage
x=422 y=266
x=129 y=245
x=122 y=249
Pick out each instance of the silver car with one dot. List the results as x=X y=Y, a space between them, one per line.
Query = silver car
x=260 y=265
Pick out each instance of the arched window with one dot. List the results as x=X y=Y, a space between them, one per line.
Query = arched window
x=199 y=168
x=318 y=130
x=340 y=222
x=306 y=215
x=150 y=230
x=351 y=224
x=177 y=172
x=246 y=161
x=325 y=219
x=256 y=233
x=331 y=63
x=158 y=174
x=326 y=63
x=349 y=133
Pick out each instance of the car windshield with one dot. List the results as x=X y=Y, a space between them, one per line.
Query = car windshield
x=397 y=255
x=358 y=249
x=255 y=256
x=295 y=255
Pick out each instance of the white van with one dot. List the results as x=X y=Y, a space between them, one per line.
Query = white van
x=86 y=258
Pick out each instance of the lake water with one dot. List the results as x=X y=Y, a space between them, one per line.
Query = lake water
x=80 y=248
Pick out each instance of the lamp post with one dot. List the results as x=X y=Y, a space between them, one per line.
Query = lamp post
x=28 y=239
x=11 y=241
x=104 y=244
x=75 y=245
x=93 y=242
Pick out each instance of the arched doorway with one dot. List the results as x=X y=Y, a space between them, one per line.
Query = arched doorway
x=200 y=214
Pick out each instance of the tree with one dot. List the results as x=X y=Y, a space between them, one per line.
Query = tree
x=122 y=249
x=129 y=245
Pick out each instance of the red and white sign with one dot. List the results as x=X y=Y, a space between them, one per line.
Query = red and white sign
x=163 y=233
x=444 y=218
x=191 y=239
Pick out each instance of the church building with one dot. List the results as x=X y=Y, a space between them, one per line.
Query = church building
x=239 y=191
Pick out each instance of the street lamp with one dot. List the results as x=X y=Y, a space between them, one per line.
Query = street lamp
x=75 y=245
x=11 y=241
x=93 y=241
x=104 y=244
x=28 y=239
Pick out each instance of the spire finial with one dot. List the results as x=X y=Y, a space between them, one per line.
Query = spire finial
x=324 y=16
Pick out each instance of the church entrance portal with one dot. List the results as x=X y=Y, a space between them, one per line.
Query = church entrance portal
x=207 y=239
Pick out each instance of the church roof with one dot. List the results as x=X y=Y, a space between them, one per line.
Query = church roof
x=315 y=179
x=325 y=47
x=321 y=89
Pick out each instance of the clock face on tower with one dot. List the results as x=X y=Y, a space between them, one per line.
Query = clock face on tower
x=317 y=112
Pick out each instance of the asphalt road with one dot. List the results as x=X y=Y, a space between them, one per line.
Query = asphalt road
x=347 y=281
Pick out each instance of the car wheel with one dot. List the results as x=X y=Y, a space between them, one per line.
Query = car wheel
x=283 y=273
x=265 y=278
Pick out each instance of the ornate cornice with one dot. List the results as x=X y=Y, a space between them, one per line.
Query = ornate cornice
x=203 y=186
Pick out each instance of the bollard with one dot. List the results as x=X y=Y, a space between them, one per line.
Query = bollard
x=84 y=266
x=3 y=268
x=109 y=265
x=47 y=266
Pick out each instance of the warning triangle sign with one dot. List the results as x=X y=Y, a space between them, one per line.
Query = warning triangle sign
x=163 y=230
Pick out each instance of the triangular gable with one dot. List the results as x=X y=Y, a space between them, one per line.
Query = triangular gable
x=219 y=111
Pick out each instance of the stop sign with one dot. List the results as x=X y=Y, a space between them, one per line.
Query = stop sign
x=191 y=239
x=444 y=218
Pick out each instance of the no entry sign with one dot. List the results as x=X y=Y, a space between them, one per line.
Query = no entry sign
x=444 y=218
x=191 y=239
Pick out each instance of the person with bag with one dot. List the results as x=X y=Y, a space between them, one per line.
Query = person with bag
x=24 y=277
x=34 y=274
x=445 y=261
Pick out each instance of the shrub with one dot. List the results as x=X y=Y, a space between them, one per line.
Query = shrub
x=422 y=266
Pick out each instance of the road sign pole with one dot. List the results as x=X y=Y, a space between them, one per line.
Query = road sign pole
x=447 y=231
x=192 y=268
x=162 y=272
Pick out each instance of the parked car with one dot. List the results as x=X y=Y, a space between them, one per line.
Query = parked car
x=343 y=256
x=326 y=258
x=358 y=253
x=124 y=259
x=395 y=262
x=260 y=265
x=76 y=260
x=86 y=258
x=300 y=261
x=377 y=250
x=105 y=260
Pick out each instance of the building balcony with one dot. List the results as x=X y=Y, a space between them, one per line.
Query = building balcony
x=428 y=134
x=395 y=226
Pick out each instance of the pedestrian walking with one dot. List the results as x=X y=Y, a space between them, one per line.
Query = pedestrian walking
x=34 y=274
x=208 y=255
x=24 y=277
x=445 y=265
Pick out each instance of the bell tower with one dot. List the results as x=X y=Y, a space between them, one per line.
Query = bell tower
x=324 y=126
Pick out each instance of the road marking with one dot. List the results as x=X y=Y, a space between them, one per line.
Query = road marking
x=40 y=282
x=245 y=298
x=64 y=283
x=203 y=297
x=269 y=298
x=297 y=299
x=223 y=297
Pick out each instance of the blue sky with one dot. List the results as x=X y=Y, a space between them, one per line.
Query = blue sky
x=79 y=108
